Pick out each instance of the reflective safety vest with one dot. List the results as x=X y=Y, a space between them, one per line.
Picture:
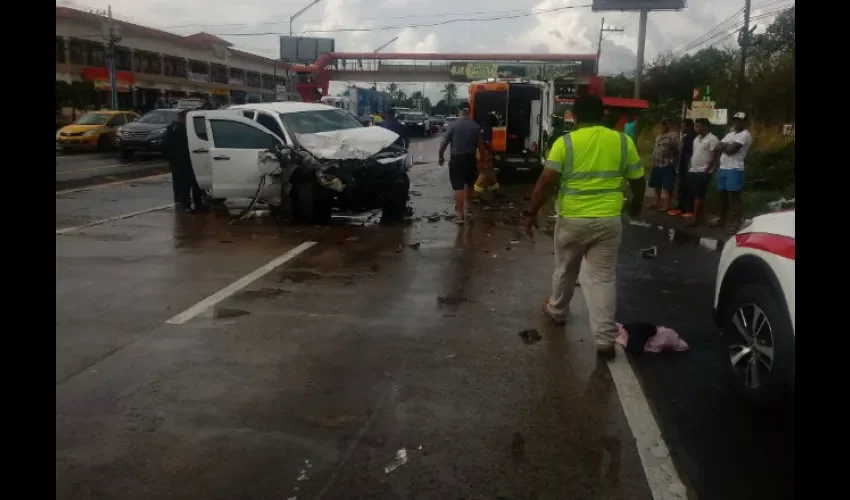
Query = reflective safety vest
x=593 y=162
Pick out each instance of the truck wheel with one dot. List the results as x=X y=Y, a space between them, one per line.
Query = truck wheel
x=395 y=202
x=310 y=204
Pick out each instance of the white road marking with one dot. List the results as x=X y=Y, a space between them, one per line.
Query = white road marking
x=661 y=474
x=98 y=186
x=66 y=230
x=64 y=172
x=239 y=284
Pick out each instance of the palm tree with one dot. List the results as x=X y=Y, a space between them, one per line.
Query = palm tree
x=450 y=93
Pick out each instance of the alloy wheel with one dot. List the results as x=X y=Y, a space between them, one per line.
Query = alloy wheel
x=751 y=345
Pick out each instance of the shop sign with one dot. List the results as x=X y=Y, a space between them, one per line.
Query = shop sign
x=107 y=86
x=280 y=87
x=199 y=77
x=221 y=92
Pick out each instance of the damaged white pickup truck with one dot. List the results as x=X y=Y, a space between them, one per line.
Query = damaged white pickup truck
x=309 y=159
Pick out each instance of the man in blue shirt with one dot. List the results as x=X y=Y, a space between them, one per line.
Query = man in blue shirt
x=630 y=128
x=392 y=123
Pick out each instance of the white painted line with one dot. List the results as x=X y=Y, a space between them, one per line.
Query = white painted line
x=239 y=284
x=66 y=230
x=661 y=474
x=98 y=186
x=147 y=162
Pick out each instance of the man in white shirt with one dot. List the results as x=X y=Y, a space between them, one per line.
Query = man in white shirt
x=702 y=163
x=733 y=151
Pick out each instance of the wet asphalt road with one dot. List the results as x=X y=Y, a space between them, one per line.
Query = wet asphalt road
x=307 y=382
x=79 y=169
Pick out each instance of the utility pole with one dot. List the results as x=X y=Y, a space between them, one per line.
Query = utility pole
x=644 y=13
x=112 y=38
x=745 y=44
x=602 y=31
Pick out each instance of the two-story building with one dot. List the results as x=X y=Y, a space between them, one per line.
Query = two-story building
x=154 y=65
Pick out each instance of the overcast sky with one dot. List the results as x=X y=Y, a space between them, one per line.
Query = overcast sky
x=542 y=29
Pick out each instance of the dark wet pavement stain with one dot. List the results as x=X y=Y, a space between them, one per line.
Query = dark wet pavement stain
x=262 y=293
x=225 y=313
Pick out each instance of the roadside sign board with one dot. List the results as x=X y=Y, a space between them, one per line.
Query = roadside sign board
x=716 y=117
x=702 y=109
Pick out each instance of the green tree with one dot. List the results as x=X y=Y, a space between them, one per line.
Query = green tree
x=449 y=92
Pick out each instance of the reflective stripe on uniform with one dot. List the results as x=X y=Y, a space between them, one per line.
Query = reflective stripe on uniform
x=494 y=187
x=591 y=184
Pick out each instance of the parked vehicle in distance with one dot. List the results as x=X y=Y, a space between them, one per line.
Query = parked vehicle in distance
x=754 y=306
x=94 y=131
x=314 y=158
x=417 y=123
x=147 y=134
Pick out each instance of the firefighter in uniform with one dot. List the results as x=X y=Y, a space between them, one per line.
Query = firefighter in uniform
x=589 y=165
x=487 y=181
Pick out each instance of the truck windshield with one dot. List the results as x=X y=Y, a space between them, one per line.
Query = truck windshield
x=410 y=117
x=314 y=122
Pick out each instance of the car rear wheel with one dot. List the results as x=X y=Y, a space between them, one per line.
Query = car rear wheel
x=759 y=340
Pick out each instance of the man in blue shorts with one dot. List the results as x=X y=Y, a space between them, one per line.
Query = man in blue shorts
x=733 y=149
x=665 y=156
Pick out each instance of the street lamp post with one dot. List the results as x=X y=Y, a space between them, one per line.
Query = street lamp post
x=382 y=47
x=298 y=14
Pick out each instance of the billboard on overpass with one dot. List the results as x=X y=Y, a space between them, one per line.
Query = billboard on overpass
x=471 y=71
x=605 y=5
x=304 y=50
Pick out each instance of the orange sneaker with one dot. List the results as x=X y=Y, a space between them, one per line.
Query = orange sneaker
x=688 y=215
x=674 y=212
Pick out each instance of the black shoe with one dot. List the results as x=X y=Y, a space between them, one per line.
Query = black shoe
x=606 y=350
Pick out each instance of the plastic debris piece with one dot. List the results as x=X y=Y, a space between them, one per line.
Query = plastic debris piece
x=649 y=253
x=530 y=336
x=450 y=356
x=640 y=223
x=399 y=460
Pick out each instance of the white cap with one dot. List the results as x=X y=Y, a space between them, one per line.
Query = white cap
x=740 y=115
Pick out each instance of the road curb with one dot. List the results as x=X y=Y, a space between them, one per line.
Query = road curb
x=96 y=180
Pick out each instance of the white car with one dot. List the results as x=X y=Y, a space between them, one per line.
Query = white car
x=754 y=306
x=312 y=157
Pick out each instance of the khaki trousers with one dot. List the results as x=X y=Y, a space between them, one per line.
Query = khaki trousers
x=597 y=242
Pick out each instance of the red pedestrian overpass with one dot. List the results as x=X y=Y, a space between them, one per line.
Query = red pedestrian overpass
x=569 y=69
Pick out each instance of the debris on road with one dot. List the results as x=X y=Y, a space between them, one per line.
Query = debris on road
x=640 y=223
x=399 y=248
x=646 y=337
x=433 y=217
x=451 y=300
x=352 y=239
x=416 y=245
x=530 y=336
x=399 y=460
x=649 y=253
x=415 y=193
x=451 y=356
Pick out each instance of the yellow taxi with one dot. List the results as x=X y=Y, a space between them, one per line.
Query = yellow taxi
x=93 y=131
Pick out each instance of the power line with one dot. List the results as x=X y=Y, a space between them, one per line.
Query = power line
x=407 y=16
x=422 y=25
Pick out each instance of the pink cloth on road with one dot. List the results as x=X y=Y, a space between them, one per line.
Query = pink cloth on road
x=665 y=339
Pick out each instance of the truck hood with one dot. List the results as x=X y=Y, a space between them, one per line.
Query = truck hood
x=347 y=144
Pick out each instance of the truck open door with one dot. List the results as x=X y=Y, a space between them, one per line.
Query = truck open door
x=233 y=143
x=536 y=126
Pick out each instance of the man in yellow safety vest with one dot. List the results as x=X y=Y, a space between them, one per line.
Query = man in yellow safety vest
x=591 y=163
